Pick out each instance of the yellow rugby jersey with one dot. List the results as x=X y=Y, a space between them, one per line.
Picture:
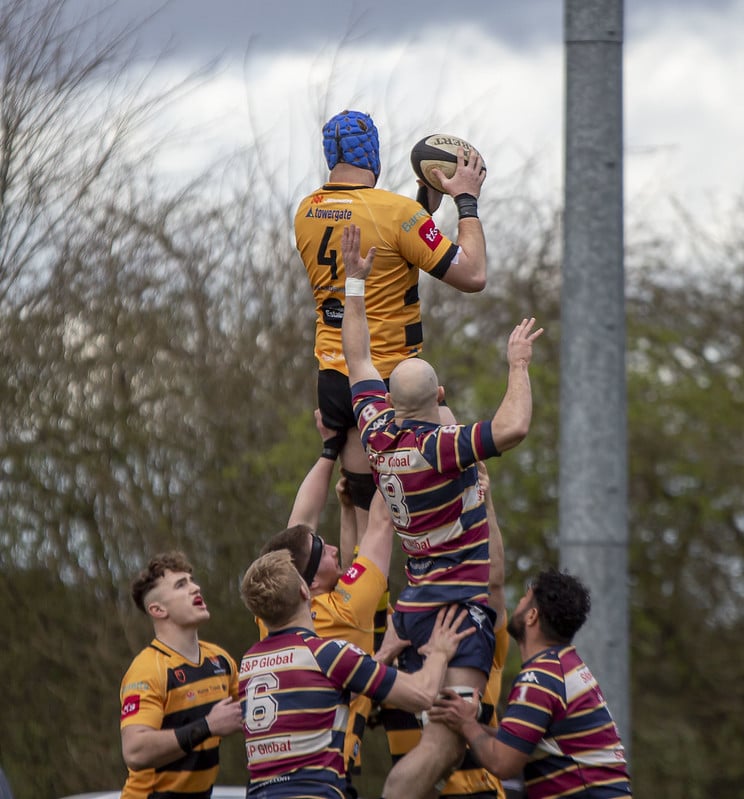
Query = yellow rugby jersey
x=163 y=690
x=407 y=240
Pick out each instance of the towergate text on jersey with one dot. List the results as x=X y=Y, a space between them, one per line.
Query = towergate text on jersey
x=337 y=215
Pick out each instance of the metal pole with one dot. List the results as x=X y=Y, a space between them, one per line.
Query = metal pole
x=593 y=437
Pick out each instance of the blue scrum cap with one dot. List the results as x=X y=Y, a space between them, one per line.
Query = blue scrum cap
x=351 y=138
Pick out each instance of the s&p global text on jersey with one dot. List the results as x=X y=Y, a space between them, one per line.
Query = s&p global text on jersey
x=392 y=462
x=264 y=749
x=267 y=661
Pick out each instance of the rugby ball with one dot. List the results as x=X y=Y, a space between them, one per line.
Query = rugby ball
x=438 y=151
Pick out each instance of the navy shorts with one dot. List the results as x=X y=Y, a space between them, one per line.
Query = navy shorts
x=474 y=652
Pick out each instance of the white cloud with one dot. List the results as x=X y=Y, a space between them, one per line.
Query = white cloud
x=682 y=120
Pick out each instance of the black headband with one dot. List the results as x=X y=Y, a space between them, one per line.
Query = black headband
x=316 y=550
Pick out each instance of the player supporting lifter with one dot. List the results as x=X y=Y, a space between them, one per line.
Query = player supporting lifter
x=407 y=241
x=470 y=780
x=427 y=474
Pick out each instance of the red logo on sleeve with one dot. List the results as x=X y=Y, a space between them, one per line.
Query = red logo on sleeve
x=429 y=232
x=353 y=573
x=130 y=706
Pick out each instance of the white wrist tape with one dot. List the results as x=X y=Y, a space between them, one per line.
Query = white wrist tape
x=354 y=287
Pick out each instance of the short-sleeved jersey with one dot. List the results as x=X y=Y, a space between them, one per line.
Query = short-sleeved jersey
x=163 y=690
x=556 y=713
x=404 y=731
x=348 y=612
x=426 y=472
x=407 y=240
x=294 y=690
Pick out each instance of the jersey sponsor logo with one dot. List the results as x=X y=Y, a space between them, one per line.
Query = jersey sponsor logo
x=333 y=314
x=430 y=234
x=345 y=596
x=415 y=544
x=333 y=214
x=330 y=288
x=353 y=573
x=218 y=668
x=411 y=223
x=266 y=748
x=530 y=676
x=267 y=661
x=434 y=537
x=585 y=675
x=277 y=780
x=130 y=706
x=384 y=462
x=140 y=685
x=419 y=566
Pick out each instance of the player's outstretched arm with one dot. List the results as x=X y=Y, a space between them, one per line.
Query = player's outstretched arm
x=469 y=272
x=313 y=491
x=348 y=535
x=377 y=540
x=511 y=422
x=354 y=329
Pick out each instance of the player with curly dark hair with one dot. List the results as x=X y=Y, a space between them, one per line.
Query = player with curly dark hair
x=564 y=605
x=556 y=727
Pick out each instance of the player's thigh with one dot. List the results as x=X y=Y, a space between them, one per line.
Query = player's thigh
x=466 y=677
x=334 y=400
x=445 y=745
x=353 y=457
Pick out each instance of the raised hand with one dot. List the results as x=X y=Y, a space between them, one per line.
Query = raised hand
x=354 y=265
x=521 y=338
x=444 y=635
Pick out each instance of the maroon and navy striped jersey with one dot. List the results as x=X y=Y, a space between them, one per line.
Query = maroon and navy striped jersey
x=426 y=472
x=294 y=691
x=557 y=714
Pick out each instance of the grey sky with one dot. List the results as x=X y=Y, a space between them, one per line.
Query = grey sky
x=216 y=28
x=491 y=69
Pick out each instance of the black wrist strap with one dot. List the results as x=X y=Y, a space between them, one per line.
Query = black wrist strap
x=191 y=735
x=467 y=206
x=332 y=446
